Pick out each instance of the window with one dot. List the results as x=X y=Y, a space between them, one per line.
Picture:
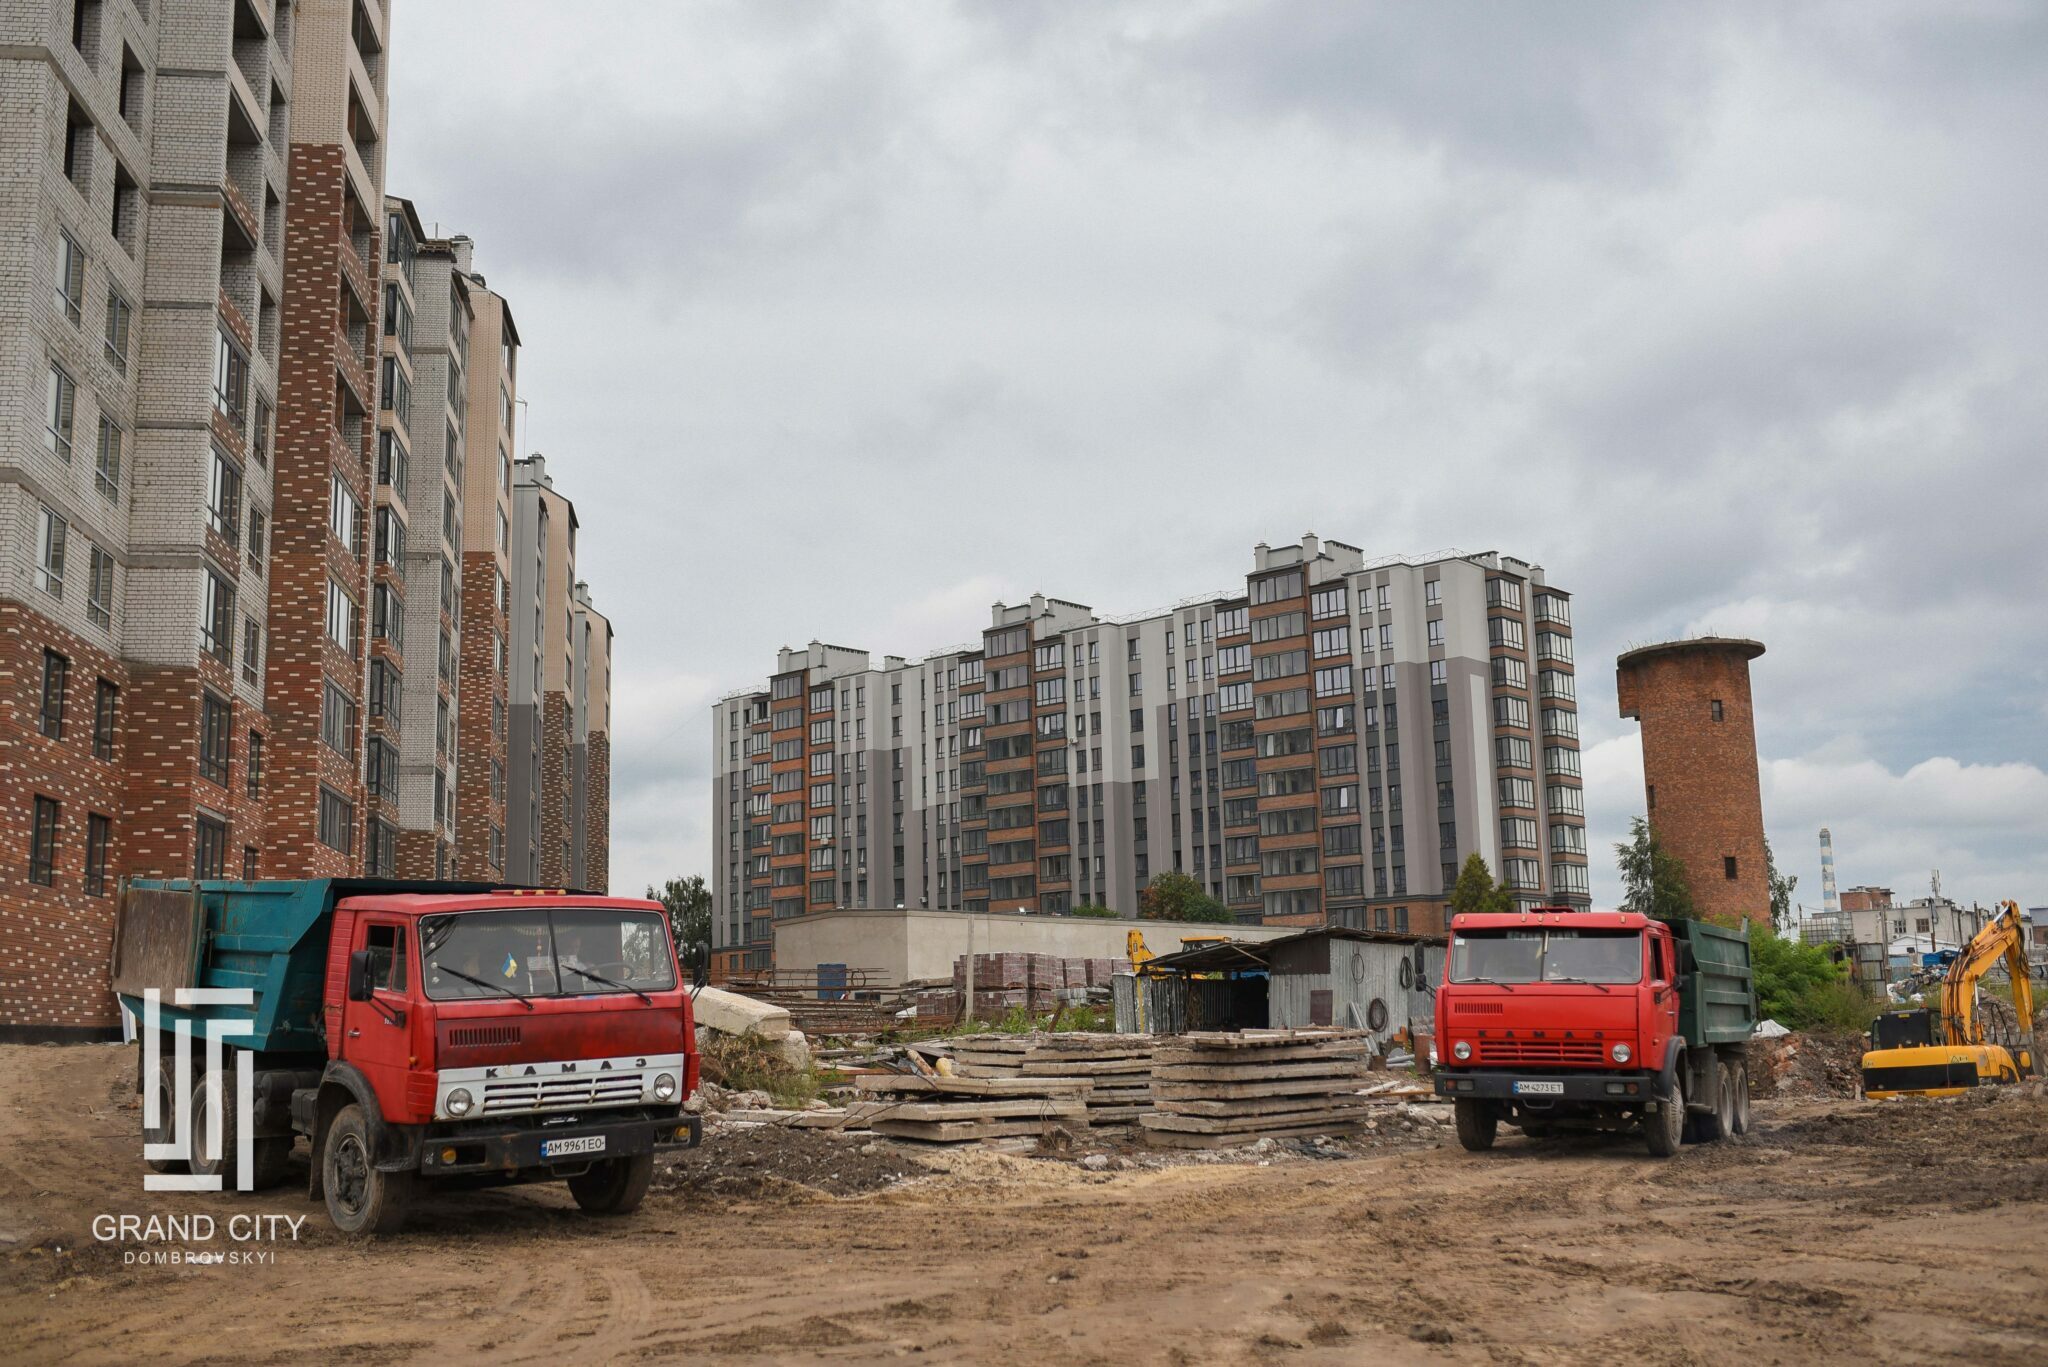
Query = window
x=1522 y=873
x=1511 y=752
x=106 y=705
x=1551 y=607
x=1555 y=683
x=1439 y=672
x=337 y=820
x=1337 y=759
x=343 y=617
x=254 y=766
x=1331 y=641
x=1275 y=588
x=1561 y=759
x=61 y=403
x=217 y=619
x=259 y=541
x=120 y=324
x=252 y=652
x=1518 y=792
x=259 y=439
x=1551 y=646
x=1330 y=602
x=1728 y=866
x=230 y=379
x=1336 y=721
x=1291 y=703
x=106 y=466
x=1509 y=672
x=1334 y=682
x=210 y=848
x=1347 y=880
x=1504 y=631
x=1714 y=710
x=1558 y=721
x=1565 y=800
x=337 y=720
x=1504 y=593
x=70 y=276
x=1518 y=831
x=215 y=729
x=341 y=513
x=1278 y=627
x=1436 y=632
x=1341 y=799
x=1569 y=878
x=1567 y=839
x=56 y=679
x=1233 y=621
x=224 y=498
x=42 y=849
x=1511 y=712
x=1433 y=592
x=98 y=831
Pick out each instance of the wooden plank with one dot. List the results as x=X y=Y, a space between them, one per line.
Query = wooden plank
x=1255 y=1072
x=1300 y=1086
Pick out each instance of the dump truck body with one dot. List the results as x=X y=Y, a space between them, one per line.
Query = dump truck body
x=440 y=1030
x=1556 y=1020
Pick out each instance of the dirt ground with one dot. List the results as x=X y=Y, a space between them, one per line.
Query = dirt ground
x=1839 y=1231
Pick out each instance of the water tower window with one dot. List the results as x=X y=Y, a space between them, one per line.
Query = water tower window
x=1728 y=865
x=1714 y=709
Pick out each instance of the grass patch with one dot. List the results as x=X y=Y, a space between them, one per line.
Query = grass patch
x=747 y=1063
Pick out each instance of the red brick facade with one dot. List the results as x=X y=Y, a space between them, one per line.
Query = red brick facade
x=482 y=723
x=1702 y=790
x=554 y=791
x=597 y=813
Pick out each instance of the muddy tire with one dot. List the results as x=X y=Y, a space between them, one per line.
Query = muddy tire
x=1736 y=1081
x=273 y=1160
x=360 y=1199
x=1665 y=1130
x=165 y=1131
x=211 y=1091
x=1478 y=1123
x=614 y=1187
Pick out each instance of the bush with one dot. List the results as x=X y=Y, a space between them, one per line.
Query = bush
x=1800 y=988
x=748 y=1063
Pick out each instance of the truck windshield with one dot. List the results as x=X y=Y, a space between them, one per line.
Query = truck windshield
x=552 y=952
x=1547 y=955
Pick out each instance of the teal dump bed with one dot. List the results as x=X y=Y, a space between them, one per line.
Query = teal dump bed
x=267 y=937
x=1717 y=1000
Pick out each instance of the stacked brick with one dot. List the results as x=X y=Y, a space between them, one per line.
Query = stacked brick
x=1038 y=983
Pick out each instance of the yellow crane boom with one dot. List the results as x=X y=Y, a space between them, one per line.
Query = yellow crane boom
x=1944 y=1053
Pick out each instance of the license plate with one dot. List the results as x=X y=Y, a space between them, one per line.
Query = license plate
x=561 y=1148
x=1540 y=1088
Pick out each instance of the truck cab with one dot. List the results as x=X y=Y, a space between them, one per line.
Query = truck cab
x=1555 y=1019
x=458 y=1034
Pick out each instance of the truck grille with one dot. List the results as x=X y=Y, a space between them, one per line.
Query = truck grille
x=563 y=1092
x=1589 y=1052
x=481 y=1036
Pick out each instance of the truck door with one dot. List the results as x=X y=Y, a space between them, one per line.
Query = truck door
x=375 y=1033
x=1663 y=1022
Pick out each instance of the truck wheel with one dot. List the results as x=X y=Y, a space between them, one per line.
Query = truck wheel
x=211 y=1091
x=360 y=1199
x=273 y=1160
x=165 y=1131
x=614 y=1187
x=1736 y=1081
x=1665 y=1130
x=1478 y=1123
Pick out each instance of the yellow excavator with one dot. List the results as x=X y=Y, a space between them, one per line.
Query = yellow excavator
x=1944 y=1051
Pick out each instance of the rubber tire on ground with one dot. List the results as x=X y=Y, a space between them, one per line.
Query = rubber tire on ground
x=221 y=1165
x=1665 y=1130
x=1706 y=1127
x=273 y=1160
x=1736 y=1080
x=167 y=1082
x=615 y=1186
x=1478 y=1123
x=360 y=1199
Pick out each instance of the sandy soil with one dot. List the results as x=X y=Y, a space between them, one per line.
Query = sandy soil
x=1840 y=1231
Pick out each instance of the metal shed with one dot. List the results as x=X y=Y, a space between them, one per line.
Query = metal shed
x=1354 y=979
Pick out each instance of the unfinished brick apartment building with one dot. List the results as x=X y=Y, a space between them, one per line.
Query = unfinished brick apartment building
x=1325 y=747
x=210 y=327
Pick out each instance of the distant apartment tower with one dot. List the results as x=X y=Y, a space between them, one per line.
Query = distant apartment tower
x=1701 y=786
x=590 y=753
x=329 y=616
x=157 y=302
x=427 y=328
x=1326 y=746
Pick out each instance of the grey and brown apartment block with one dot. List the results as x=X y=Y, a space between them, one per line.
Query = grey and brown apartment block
x=1325 y=746
x=231 y=647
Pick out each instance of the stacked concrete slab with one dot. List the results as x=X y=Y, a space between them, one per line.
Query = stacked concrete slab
x=1213 y=1090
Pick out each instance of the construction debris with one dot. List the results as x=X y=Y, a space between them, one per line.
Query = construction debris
x=1214 y=1090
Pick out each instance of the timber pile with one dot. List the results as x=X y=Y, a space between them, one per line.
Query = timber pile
x=952 y=1110
x=1214 y=1090
x=1119 y=1066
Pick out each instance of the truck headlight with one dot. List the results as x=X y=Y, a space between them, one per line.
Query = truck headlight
x=459 y=1101
x=664 y=1086
x=1622 y=1053
x=1461 y=1050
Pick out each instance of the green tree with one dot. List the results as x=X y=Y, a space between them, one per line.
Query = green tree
x=689 y=912
x=1781 y=891
x=1174 y=896
x=1093 y=909
x=1801 y=988
x=1476 y=891
x=1654 y=879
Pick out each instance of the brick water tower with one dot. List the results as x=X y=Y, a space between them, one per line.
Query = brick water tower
x=1700 y=781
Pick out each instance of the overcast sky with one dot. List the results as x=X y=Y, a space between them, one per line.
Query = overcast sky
x=845 y=322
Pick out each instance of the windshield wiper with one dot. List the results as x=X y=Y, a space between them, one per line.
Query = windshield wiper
x=484 y=982
x=609 y=982
x=1586 y=982
x=1490 y=982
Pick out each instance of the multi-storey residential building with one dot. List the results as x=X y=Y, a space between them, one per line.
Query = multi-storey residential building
x=590 y=754
x=484 y=579
x=329 y=615
x=1326 y=746
x=140 y=324
x=428 y=324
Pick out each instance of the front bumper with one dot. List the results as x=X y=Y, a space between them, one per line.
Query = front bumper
x=1596 y=1086
x=509 y=1149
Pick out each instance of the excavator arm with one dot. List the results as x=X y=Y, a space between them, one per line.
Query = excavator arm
x=2003 y=940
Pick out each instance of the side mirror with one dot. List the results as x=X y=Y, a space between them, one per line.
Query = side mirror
x=700 y=964
x=359 y=976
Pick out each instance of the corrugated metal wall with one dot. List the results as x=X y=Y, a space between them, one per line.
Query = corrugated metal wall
x=1357 y=974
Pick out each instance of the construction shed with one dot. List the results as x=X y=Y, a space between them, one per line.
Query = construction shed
x=1374 y=981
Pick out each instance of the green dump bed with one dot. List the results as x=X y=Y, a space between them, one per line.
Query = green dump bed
x=268 y=937
x=1717 y=999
